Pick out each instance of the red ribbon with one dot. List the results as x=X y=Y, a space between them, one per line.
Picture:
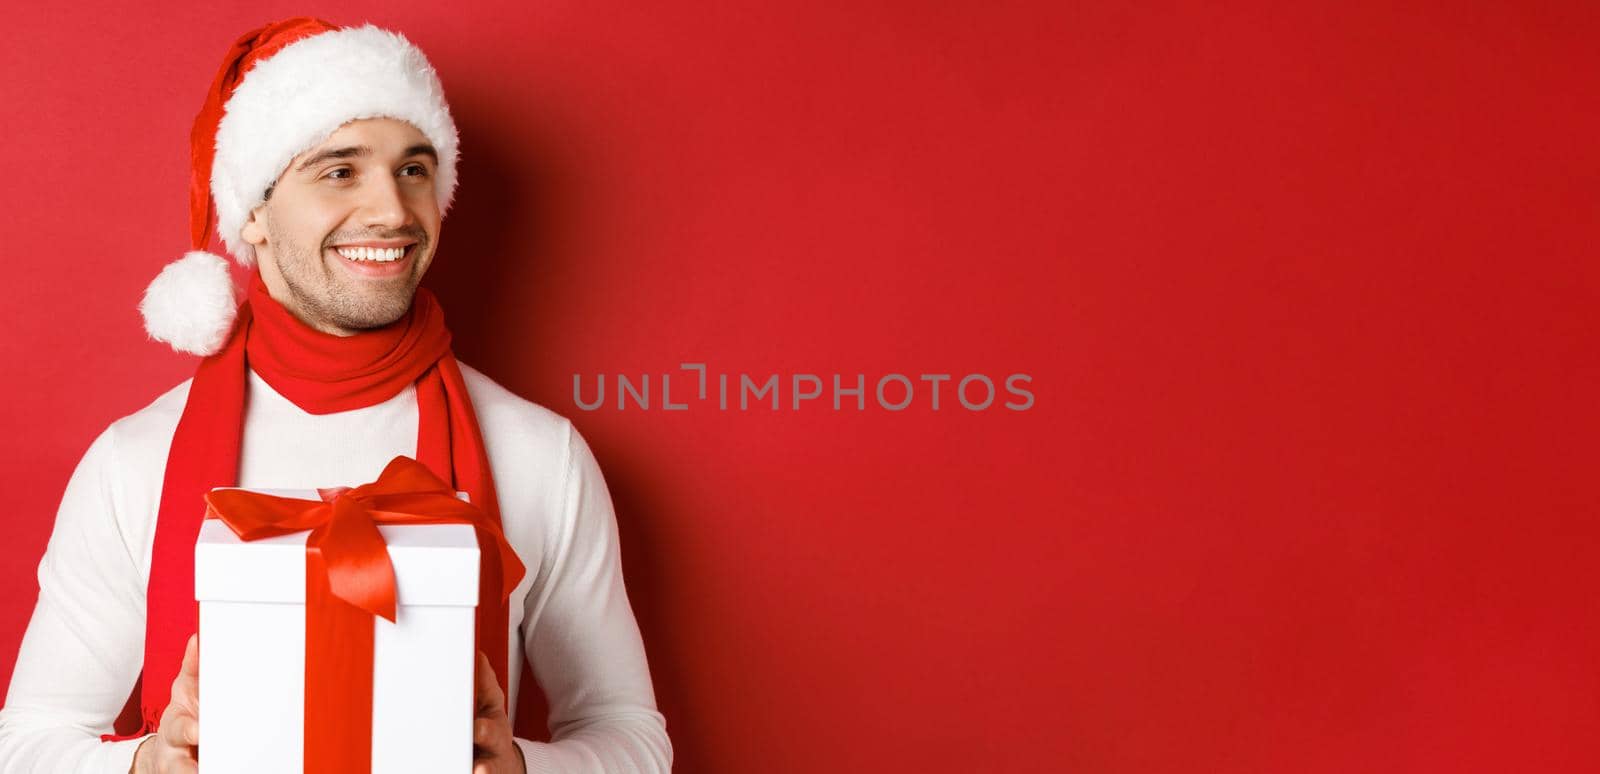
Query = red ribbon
x=349 y=579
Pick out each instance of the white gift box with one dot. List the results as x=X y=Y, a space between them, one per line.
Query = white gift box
x=252 y=645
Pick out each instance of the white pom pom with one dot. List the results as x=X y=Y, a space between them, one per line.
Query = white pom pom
x=191 y=304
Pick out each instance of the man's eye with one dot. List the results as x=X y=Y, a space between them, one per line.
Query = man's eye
x=419 y=170
x=336 y=173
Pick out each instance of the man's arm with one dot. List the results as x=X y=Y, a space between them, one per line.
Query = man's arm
x=583 y=643
x=83 y=647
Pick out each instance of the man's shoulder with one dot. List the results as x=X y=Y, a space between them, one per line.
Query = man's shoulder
x=134 y=447
x=150 y=429
x=506 y=418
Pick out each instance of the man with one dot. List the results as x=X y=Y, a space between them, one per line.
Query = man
x=334 y=163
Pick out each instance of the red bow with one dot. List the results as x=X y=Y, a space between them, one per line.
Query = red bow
x=345 y=526
x=348 y=562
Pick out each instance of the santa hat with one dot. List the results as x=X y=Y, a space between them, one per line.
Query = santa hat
x=282 y=89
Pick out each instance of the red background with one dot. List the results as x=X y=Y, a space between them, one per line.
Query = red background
x=1305 y=291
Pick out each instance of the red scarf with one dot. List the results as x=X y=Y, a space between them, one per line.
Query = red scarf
x=322 y=374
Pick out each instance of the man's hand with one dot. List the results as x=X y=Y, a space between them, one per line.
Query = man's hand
x=176 y=746
x=493 y=750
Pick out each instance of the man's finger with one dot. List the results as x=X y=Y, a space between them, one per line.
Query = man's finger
x=191 y=656
x=186 y=686
x=186 y=694
x=170 y=733
x=491 y=733
x=180 y=729
x=489 y=696
x=189 y=730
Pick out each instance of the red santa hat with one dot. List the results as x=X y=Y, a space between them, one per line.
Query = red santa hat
x=282 y=89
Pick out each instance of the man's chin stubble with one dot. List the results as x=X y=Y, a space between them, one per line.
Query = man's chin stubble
x=356 y=316
x=344 y=310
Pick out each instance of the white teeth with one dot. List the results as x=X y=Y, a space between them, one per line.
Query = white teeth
x=371 y=253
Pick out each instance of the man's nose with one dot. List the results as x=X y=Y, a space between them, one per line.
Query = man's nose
x=383 y=205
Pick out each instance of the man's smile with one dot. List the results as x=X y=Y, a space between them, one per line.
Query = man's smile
x=376 y=259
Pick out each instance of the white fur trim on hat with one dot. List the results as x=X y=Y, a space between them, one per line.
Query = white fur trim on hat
x=299 y=96
x=191 y=304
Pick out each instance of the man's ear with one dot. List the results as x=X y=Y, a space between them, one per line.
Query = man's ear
x=255 y=229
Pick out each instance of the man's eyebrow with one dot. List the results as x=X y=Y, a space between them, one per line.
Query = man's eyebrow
x=334 y=153
x=422 y=149
x=355 y=151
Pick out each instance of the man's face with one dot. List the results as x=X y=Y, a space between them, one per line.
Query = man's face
x=370 y=184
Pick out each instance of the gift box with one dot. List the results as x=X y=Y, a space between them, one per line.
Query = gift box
x=253 y=687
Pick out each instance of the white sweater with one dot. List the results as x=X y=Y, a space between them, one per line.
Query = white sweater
x=570 y=614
